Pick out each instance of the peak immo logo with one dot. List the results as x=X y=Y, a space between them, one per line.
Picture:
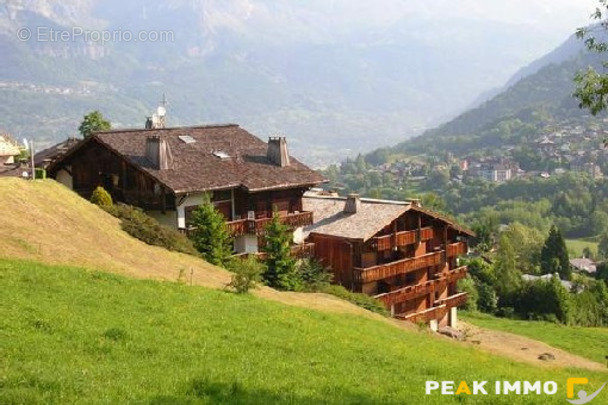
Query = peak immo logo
x=523 y=388
x=583 y=397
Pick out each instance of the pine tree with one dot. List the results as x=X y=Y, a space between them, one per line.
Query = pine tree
x=210 y=236
x=554 y=255
x=281 y=272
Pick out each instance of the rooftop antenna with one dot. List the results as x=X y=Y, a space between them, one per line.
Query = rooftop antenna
x=161 y=112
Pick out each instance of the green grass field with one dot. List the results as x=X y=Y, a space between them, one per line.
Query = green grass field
x=69 y=335
x=576 y=246
x=591 y=343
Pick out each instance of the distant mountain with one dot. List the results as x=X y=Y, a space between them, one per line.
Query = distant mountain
x=538 y=96
x=336 y=77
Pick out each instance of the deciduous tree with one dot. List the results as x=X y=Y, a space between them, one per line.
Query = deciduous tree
x=93 y=122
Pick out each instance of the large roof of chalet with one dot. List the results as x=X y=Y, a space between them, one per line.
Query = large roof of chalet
x=371 y=218
x=210 y=158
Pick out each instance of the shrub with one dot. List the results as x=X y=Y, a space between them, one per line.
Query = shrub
x=145 y=228
x=247 y=274
x=487 y=300
x=315 y=277
x=359 y=299
x=101 y=197
x=468 y=285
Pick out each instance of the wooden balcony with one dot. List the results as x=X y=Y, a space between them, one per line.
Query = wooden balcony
x=407 y=293
x=404 y=266
x=456 y=274
x=453 y=300
x=457 y=249
x=258 y=226
x=425 y=316
x=427 y=233
x=403 y=238
x=301 y=251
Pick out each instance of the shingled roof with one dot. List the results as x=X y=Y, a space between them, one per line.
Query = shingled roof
x=207 y=158
x=372 y=216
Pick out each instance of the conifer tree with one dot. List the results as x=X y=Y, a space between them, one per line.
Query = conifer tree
x=210 y=236
x=281 y=272
x=554 y=255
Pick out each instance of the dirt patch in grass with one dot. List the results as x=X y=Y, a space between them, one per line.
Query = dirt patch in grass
x=523 y=349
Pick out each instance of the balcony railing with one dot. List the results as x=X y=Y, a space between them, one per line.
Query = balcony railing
x=456 y=274
x=425 y=316
x=404 y=266
x=258 y=226
x=403 y=238
x=301 y=251
x=457 y=249
x=407 y=293
x=453 y=300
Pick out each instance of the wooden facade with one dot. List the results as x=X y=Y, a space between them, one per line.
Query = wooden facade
x=246 y=188
x=411 y=264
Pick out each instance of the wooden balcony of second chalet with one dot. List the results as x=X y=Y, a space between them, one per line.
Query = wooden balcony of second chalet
x=452 y=301
x=457 y=249
x=414 y=291
x=403 y=266
x=258 y=226
x=426 y=315
x=454 y=274
x=408 y=293
x=404 y=238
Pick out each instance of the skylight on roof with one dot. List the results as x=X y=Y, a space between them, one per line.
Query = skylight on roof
x=186 y=139
x=220 y=154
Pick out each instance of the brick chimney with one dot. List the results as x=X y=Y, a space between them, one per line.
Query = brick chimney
x=158 y=153
x=277 y=151
x=353 y=204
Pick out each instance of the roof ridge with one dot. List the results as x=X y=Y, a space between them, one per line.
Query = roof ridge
x=167 y=129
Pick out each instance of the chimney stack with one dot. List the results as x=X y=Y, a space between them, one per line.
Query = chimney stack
x=416 y=202
x=277 y=151
x=353 y=204
x=158 y=153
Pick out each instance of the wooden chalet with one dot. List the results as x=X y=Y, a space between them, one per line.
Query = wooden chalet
x=398 y=252
x=166 y=171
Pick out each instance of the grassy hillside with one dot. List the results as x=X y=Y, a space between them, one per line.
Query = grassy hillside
x=45 y=221
x=76 y=336
x=591 y=343
x=576 y=247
